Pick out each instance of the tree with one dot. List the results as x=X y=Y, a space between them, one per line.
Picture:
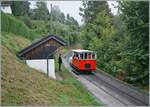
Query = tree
x=92 y=8
x=57 y=15
x=89 y=12
x=136 y=18
x=41 y=12
x=102 y=40
x=20 y=8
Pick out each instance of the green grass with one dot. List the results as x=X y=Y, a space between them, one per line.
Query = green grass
x=21 y=85
x=79 y=92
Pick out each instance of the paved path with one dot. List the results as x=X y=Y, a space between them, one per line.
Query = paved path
x=108 y=90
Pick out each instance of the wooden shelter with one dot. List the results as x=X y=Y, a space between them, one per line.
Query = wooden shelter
x=40 y=54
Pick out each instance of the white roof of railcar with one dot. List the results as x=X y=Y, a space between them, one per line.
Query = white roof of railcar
x=81 y=50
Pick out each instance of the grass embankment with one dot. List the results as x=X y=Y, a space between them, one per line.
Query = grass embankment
x=22 y=85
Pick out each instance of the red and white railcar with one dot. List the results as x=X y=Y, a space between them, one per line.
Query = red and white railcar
x=83 y=60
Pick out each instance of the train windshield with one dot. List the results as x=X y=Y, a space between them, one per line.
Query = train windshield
x=87 y=55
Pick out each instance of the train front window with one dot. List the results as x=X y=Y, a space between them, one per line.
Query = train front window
x=89 y=55
x=85 y=55
x=81 y=56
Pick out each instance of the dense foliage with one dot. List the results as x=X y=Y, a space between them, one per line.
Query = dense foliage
x=136 y=18
x=39 y=13
x=12 y=24
x=41 y=21
x=91 y=9
x=121 y=41
x=54 y=22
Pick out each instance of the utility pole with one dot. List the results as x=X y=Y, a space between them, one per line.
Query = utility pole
x=50 y=33
x=68 y=39
x=51 y=18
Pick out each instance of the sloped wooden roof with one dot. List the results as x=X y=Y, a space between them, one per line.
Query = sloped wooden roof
x=40 y=42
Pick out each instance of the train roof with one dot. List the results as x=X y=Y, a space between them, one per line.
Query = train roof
x=81 y=50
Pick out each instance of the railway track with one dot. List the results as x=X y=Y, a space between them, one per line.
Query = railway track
x=121 y=94
x=108 y=90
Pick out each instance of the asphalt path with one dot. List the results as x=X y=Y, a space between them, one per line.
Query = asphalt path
x=108 y=90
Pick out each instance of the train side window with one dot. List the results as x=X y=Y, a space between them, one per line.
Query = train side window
x=81 y=56
x=77 y=55
x=93 y=56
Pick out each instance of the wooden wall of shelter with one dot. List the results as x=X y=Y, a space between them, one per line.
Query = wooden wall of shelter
x=42 y=47
x=46 y=46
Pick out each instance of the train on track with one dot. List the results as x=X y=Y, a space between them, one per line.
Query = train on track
x=83 y=60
